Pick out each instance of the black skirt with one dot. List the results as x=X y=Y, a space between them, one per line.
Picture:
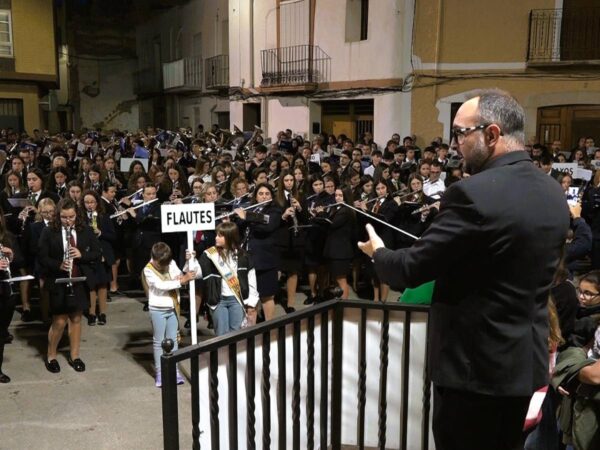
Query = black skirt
x=63 y=303
x=267 y=283
x=339 y=267
x=292 y=260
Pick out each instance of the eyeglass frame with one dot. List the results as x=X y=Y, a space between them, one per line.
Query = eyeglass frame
x=586 y=294
x=459 y=134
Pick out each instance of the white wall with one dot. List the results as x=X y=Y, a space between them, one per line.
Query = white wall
x=378 y=57
x=391 y=115
x=287 y=112
x=114 y=81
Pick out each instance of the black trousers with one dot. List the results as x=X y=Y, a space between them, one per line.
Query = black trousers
x=467 y=421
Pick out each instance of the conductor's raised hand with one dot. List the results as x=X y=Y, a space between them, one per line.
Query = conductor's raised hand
x=374 y=242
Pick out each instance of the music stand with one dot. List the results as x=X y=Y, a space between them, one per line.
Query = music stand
x=19 y=202
x=17 y=279
x=70 y=280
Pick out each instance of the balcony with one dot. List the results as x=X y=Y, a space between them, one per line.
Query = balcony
x=294 y=69
x=183 y=75
x=561 y=37
x=146 y=82
x=216 y=72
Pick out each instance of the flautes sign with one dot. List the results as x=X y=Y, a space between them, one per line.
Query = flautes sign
x=187 y=217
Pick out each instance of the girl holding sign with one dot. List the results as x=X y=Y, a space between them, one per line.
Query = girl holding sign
x=229 y=281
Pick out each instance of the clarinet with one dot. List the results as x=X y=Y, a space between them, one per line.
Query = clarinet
x=67 y=257
x=7 y=270
x=294 y=217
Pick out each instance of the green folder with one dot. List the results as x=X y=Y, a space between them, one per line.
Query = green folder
x=421 y=295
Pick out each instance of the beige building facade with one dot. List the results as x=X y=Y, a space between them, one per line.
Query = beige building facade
x=542 y=51
x=28 y=61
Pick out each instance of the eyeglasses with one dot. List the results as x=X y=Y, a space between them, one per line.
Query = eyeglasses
x=459 y=134
x=586 y=294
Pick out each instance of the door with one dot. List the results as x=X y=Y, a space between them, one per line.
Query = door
x=567 y=123
x=251 y=113
x=11 y=114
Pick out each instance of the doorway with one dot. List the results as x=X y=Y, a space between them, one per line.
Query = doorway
x=567 y=123
x=251 y=114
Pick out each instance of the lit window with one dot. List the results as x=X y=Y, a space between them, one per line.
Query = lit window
x=6 y=44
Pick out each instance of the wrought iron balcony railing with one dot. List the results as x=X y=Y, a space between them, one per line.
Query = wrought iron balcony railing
x=216 y=72
x=184 y=74
x=560 y=36
x=146 y=81
x=299 y=66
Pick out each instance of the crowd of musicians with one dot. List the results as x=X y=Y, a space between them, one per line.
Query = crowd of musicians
x=298 y=208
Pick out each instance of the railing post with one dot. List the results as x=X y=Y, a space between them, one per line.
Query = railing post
x=169 y=397
x=336 y=376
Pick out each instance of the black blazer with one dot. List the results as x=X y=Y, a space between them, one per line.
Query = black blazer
x=341 y=239
x=492 y=249
x=262 y=241
x=52 y=253
x=107 y=237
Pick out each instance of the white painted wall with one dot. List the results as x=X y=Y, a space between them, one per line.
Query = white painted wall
x=115 y=83
x=378 y=57
x=288 y=112
x=391 y=115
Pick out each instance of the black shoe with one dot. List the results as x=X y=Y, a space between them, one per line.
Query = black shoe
x=76 y=364
x=145 y=308
x=309 y=300
x=91 y=320
x=102 y=319
x=288 y=309
x=4 y=378
x=187 y=324
x=52 y=366
x=26 y=315
x=7 y=339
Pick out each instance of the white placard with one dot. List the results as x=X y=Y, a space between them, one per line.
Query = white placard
x=582 y=174
x=187 y=217
x=565 y=167
x=124 y=163
x=315 y=158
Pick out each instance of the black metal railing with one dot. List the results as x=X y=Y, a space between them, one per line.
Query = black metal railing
x=557 y=35
x=295 y=65
x=324 y=355
x=216 y=72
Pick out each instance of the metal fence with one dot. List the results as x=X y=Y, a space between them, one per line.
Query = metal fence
x=557 y=35
x=339 y=352
x=216 y=72
x=295 y=65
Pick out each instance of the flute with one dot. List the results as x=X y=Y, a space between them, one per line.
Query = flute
x=243 y=209
x=134 y=207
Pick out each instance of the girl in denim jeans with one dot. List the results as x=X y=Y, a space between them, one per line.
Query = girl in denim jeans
x=163 y=279
x=229 y=281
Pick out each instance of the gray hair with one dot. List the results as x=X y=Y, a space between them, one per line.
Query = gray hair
x=499 y=107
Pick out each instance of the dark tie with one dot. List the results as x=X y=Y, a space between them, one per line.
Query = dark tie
x=75 y=266
x=198 y=237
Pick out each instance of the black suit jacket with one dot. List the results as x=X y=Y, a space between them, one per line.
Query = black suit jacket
x=340 y=241
x=493 y=249
x=52 y=253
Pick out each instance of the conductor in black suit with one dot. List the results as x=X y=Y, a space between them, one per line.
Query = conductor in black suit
x=492 y=249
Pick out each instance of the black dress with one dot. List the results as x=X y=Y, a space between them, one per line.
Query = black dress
x=51 y=257
x=340 y=241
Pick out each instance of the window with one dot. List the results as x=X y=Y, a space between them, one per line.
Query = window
x=357 y=20
x=6 y=45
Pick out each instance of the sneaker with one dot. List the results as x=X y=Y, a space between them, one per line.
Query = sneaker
x=102 y=319
x=158 y=379
x=180 y=378
x=91 y=320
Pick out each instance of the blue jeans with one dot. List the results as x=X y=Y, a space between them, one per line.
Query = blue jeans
x=164 y=325
x=227 y=316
